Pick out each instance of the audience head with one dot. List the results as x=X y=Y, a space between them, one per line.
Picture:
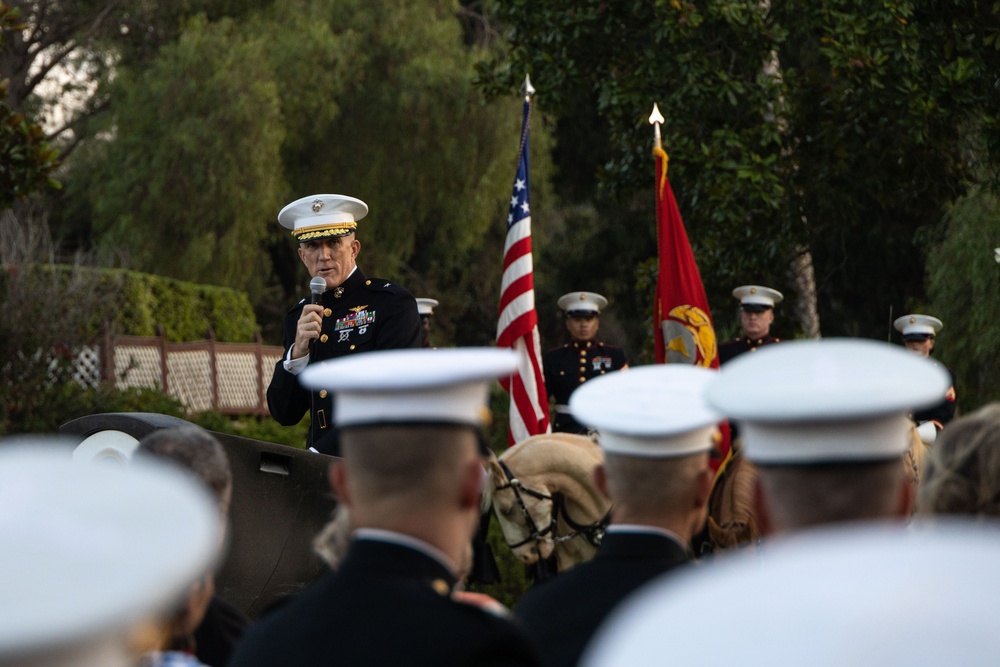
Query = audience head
x=656 y=431
x=826 y=423
x=91 y=551
x=410 y=425
x=197 y=451
x=845 y=595
x=962 y=470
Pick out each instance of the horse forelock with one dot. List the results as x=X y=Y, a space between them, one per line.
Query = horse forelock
x=553 y=452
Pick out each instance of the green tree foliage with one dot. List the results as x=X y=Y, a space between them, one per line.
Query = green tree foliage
x=841 y=127
x=133 y=304
x=373 y=99
x=964 y=290
x=187 y=174
x=69 y=49
x=435 y=164
x=27 y=163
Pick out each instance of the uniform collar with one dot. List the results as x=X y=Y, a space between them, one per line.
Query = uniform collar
x=627 y=541
x=640 y=529
x=401 y=539
x=756 y=342
x=352 y=283
x=393 y=556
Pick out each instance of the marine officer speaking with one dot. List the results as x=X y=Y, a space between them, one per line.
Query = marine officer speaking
x=347 y=313
x=756 y=317
x=572 y=364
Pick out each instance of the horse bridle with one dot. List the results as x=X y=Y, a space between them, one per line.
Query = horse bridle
x=592 y=532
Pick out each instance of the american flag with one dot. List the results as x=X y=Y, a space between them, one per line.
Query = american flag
x=517 y=327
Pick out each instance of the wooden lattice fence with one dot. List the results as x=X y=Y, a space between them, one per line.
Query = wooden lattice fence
x=230 y=378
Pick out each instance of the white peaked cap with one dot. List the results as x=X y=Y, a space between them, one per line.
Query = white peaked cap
x=590 y=302
x=88 y=550
x=758 y=295
x=917 y=324
x=426 y=306
x=322 y=216
x=447 y=385
x=862 y=596
x=656 y=411
x=819 y=401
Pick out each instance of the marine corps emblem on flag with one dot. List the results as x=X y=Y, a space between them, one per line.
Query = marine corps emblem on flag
x=689 y=337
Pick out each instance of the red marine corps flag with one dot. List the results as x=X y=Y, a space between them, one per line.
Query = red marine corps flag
x=517 y=327
x=683 y=325
x=682 y=320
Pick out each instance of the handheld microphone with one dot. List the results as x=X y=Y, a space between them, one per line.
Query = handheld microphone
x=317 y=286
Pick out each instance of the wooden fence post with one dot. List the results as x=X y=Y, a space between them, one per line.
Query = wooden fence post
x=162 y=341
x=214 y=366
x=108 y=356
x=259 y=352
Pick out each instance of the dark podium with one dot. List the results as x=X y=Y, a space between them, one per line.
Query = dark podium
x=281 y=500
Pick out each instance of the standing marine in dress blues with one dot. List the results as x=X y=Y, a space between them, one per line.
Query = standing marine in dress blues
x=425 y=308
x=731 y=522
x=569 y=366
x=353 y=313
x=919 y=332
x=756 y=317
x=656 y=432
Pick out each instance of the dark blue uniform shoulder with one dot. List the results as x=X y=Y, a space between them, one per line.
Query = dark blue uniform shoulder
x=382 y=285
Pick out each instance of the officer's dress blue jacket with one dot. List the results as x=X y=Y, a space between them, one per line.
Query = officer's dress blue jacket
x=367 y=314
x=562 y=614
x=387 y=604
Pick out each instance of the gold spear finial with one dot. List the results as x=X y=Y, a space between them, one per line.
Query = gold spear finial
x=656 y=119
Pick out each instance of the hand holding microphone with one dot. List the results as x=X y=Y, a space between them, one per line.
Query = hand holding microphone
x=310 y=321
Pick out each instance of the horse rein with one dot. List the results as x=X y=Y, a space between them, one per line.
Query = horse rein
x=593 y=532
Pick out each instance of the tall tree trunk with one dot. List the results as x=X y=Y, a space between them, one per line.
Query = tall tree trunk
x=800 y=268
x=802 y=275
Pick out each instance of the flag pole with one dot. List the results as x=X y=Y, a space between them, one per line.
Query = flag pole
x=517 y=325
x=527 y=90
x=656 y=119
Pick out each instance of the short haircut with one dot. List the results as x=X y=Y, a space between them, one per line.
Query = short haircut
x=962 y=470
x=390 y=462
x=653 y=485
x=802 y=496
x=196 y=450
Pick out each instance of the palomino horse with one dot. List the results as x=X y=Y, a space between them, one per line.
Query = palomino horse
x=543 y=494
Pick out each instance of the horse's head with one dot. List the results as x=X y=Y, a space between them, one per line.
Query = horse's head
x=523 y=508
